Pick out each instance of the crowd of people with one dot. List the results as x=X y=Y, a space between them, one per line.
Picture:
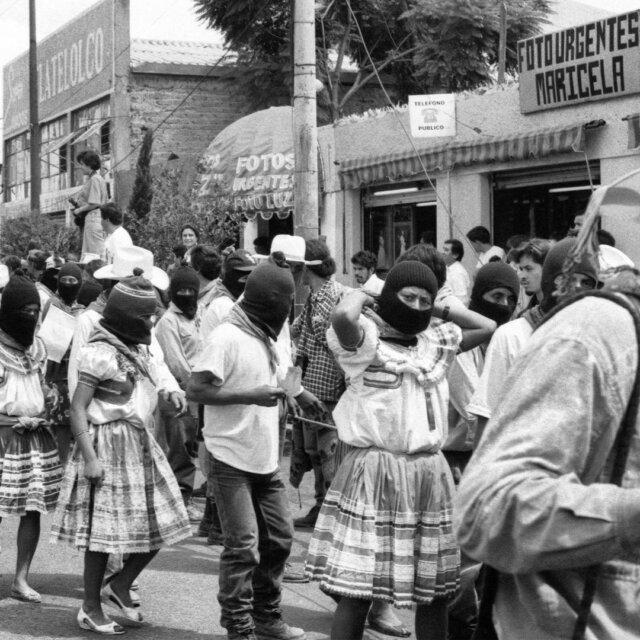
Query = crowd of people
x=450 y=418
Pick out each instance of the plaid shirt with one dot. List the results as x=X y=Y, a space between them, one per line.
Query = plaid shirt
x=322 y=375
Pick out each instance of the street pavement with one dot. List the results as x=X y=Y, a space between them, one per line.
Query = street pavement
x=178 y=590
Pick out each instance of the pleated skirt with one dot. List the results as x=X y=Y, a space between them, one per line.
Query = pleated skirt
x=136 y=508
x=30 y=472
x=384 y=531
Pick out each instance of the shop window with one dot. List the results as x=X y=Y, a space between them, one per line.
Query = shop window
x=17 y=168
x=105 y=134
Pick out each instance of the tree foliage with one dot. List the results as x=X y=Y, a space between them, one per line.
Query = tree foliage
x=142 y=195
x=51 y=235
x=173 y=207
x=426 y=46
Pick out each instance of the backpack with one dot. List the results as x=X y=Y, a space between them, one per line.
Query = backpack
x=630 y=301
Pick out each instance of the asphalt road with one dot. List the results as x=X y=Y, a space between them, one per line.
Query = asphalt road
x=178 y=591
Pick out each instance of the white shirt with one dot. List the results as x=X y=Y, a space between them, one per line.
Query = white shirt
x=493 y=252
x=244 y=436
x=459 y=281
x=373 y=286
x=215 y=314
x=506 y=345
x=117 y=240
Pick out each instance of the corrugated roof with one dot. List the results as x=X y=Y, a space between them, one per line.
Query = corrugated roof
x=175 y=52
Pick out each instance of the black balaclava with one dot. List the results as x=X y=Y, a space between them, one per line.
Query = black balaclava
x=392 y=310
x=552 y=268
x=268 y=296
x=237 y=267
x=14 y=319
x=69 y=292
x=129 y=307
x=492 y=276
x=49 y=278
x=185 y=278
x=89 y=291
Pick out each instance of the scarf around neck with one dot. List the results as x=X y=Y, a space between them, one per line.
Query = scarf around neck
x=240 y=319
x=386 y=331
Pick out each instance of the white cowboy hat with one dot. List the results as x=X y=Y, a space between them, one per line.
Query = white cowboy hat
x=126 y=259
x=293 y=248
x=89 y=257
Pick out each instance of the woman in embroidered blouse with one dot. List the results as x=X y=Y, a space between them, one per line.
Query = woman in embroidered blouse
x=119 y=494
x=30 y=472
x=384 y=531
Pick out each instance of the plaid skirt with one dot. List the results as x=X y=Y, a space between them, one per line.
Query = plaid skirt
x=136 y=508
x=30 y=471
x=384 y=531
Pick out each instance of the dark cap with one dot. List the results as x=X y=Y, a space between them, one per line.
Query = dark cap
x=240 y=260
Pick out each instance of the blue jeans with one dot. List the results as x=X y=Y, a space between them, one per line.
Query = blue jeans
x=257 y=532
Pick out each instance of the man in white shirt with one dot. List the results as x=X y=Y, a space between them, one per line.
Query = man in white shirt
x=480 y=240
x=115 y=235
x=236 y=378
x=364 y=271
x=457 y=277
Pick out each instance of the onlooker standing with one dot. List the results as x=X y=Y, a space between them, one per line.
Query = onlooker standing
x=93 y=194
x=537 y=501
x=236 y=379
x=115 y=235
x=190 y=237
x=364 y=271
x=320 y=372
x=457 y=276
x=206 y=262
x=528 y=259
x=480 y=240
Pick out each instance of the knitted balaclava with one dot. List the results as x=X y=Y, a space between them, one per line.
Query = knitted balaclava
x=67 y=291
x=492 y=276
x=15 y=320
x=89 y=291
x=237 y=266
x=552 y=268
x=129 y=307
x=268 y=296
x=185 y=279
x=392 y=310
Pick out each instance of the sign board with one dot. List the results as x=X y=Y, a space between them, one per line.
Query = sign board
x=75 y=63
x=249 y=165
x=594 y=61
x=433 y=116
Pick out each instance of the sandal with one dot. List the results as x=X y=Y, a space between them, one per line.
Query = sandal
x=397 y=631
x=130 y=613
x=110 y=629
x=26 y=596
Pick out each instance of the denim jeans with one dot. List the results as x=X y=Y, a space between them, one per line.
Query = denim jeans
x=257 y=532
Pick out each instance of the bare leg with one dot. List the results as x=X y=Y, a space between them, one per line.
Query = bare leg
x=95 y=564
x=28 y=536
x=349 y=619
x=431 y=620
x=133 y=565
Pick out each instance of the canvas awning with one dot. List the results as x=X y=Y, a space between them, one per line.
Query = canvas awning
x=393 y=167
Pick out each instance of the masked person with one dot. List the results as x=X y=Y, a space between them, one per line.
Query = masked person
x=118 y=479
x=236 y=379
x=511 y=338
x=384 y=531
x=30 y=470
x=69 y=282
x=178 y=334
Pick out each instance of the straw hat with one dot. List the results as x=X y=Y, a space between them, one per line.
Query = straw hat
x=126 y=259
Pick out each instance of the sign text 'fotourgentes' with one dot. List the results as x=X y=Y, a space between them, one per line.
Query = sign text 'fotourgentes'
x=433 y=115
x=74 y=66
x=594 y=61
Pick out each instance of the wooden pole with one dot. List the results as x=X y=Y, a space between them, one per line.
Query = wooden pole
x=34 y=124
x=305 y=134
x=502 y=43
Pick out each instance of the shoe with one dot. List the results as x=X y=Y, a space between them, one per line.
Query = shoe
x=308 y=521
x=26 y=596
x=133 y=590
x=292 y=575
x=130 y=613
x=397 y=631
x=110 y=629
x=277 y=629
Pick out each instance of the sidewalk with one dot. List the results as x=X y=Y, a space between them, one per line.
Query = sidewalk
x=178 y=590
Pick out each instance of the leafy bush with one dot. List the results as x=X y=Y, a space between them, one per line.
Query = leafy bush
x=51 y=235
x=173 y=207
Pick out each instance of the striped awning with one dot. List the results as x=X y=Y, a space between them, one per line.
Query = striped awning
x=393 y=167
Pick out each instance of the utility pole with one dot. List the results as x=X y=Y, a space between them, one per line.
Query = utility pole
x=34 y=124
x=502 y=43
x=305 y=134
